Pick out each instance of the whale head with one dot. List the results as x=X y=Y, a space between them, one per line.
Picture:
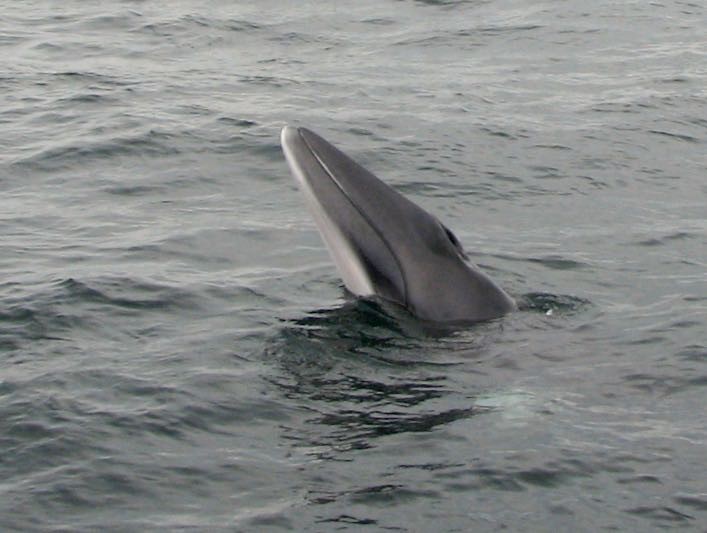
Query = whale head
x=383 y=244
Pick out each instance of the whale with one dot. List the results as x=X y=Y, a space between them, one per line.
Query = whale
x=383 y=244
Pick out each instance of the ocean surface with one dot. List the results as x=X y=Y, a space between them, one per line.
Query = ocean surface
x=178 y=353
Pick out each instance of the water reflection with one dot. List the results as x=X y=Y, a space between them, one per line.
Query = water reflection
x=359 y=373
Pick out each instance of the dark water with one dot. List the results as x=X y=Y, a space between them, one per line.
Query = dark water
x=176 y=348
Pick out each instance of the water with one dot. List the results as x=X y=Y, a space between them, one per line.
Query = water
x=177 y=351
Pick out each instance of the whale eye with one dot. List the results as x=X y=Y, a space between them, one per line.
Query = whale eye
x=455 y=242
x=451 y=236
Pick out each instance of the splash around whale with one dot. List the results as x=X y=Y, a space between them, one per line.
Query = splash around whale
x=383 y=244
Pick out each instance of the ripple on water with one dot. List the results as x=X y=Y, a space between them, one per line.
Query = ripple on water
x=552 y=303
x=151 y=143
x=56 y=311
x=667 y=239
x=128 y=294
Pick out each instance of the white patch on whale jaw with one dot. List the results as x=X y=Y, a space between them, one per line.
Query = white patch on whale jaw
x=346 y=259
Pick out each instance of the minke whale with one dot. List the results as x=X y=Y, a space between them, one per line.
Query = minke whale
x=383 y=244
